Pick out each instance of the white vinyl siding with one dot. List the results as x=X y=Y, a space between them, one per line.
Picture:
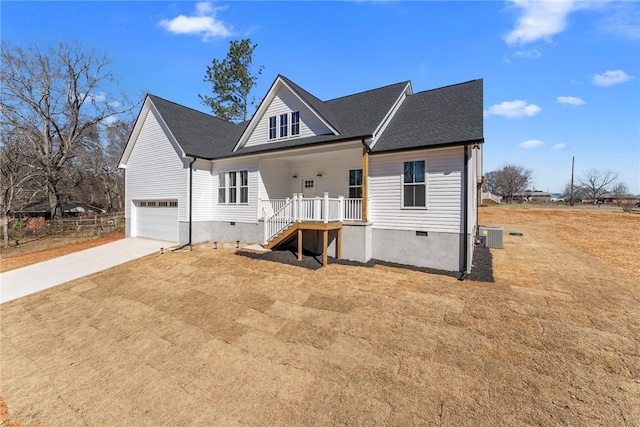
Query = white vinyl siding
x=286 y=102
x=444 y=191
x=155 y=170
x=334 y=168
x=202 y=188
x=245 y=212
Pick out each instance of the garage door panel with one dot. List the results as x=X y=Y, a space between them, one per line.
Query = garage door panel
x=157 y=222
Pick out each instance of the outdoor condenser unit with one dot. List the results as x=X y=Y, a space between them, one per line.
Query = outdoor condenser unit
x=492 y=236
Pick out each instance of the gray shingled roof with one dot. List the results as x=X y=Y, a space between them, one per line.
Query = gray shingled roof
x=448 y=115
x=199 y=134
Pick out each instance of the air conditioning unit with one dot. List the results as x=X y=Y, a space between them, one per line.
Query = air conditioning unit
x=492 y=236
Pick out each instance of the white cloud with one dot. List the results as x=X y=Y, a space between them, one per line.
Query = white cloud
x=623 y=18
x=611 y=77
x=540 y=19
x=571 y=100
x=203 y=23
x=531 y=143
x=513 y=109
x=96 y=98
x=528 y=54
x=560 y=146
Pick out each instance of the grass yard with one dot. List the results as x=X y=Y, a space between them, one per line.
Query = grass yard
x=212 y=338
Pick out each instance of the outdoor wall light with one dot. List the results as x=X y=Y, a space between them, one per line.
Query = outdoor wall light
x=294 y=176
x=319 y=174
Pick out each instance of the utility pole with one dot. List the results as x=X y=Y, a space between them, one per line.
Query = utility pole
x=573 y=163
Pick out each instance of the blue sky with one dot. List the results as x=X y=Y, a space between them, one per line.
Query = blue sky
x=561 y=78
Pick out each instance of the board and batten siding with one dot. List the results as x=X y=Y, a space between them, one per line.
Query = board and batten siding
x=444 y=191
x=236 y=212
x=155 y=170
x=202 y=191
x=286 y=102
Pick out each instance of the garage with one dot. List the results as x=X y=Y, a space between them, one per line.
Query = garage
x=157 y=219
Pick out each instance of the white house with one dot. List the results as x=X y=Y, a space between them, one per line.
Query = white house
x=386 y=174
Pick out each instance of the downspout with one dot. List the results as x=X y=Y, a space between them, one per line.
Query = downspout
x=465 y=214
x=190 y=204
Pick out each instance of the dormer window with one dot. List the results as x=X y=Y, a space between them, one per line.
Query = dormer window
x=272 y=127
x=295 y=123
x=284 y=125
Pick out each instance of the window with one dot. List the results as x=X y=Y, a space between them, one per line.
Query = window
x=295 y=123
x=143 y=204
x=414 y=188
x=222 y=189
x=173 y=204
x=308 y=183
x=284 y=125
x=355 y=184
x=233 y=186
x=151 y=204
x=272 y=127
x=163 y=204
x=244 y=186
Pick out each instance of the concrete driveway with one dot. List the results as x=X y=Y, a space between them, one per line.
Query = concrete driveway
x=34 y=278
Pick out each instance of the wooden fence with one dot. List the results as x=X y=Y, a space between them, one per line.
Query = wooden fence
x=96 y=225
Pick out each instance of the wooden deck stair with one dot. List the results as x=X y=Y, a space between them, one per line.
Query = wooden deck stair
x=297 y=228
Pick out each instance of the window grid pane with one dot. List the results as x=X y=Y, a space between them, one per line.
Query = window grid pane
x=272 y=127
x=295 y=123
x=415 y=189
x=284 y=125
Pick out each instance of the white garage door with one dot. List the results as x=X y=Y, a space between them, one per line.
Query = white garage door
x=157 y=219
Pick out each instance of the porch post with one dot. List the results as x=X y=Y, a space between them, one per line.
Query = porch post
x=365 y=185
x=325 y=209
x=325 y=243
x=299 y=244
x=341 y=208
x=295 y=207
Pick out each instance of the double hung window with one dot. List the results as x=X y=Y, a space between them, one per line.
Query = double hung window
x=414 y=189
x=355 y=184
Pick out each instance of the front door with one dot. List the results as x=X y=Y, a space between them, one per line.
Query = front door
x=308 y=187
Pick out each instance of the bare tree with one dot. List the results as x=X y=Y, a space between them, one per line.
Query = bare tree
x=622 y=197
x=509 y=181
x=595 y=184
x=15 y=178
x=54 y=100
x=571 y=197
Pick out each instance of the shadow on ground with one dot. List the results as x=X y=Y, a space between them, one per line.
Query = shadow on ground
x=482 y=270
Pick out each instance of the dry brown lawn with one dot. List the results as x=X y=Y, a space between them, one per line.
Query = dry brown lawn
x=211 y=338
x=42 y=249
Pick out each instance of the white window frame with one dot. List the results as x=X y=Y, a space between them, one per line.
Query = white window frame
x=296 y=124
x=413 y=184
x=272 y=120
x=222 y=188
x=243 y=186
x=284 y=125
x=234 y=193
x=356 y=186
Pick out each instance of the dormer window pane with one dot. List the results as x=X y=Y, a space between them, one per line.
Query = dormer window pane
x=272 y=127
x=295 y=123
x=284 y=125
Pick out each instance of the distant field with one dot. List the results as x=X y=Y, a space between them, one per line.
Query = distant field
x=606 y=233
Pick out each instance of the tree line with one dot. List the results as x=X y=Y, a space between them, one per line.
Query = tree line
x=513 y=180
x=62 y=129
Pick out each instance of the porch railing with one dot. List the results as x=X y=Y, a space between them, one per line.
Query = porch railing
x=298 y=209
